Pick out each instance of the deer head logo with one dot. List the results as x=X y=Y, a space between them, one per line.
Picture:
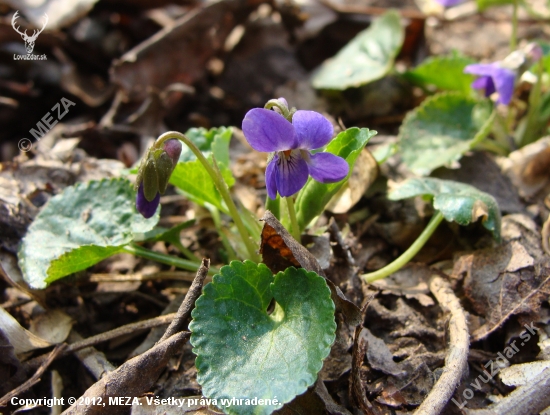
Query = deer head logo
x=29 y=40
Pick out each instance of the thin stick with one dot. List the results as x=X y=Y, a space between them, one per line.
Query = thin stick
x=457 y=357
x=35 y=378
x=188 y=303
x=103 y=337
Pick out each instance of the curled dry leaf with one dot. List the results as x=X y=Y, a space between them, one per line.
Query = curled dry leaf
x=54 y=326
x=364 y=173
x=20 y=338
x=528 y=168
x=513 y=278
x=379 y=355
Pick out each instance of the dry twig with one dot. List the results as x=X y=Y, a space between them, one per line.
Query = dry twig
x=187 y=305
x=103 y=337
x=456 y=360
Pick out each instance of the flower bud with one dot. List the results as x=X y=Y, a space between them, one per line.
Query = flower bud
x=533 y=52
x=150 y=179
x=173 y=149
x=153 y=175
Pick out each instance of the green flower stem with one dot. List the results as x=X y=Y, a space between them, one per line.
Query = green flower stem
x=214 y=172
x=408 y=254
x=295 y=232
x=274 y=206
x=514 y=37
x=166 y=259
x=532 y=128
x=493 y=146
x=215 y=213
x=190 y=255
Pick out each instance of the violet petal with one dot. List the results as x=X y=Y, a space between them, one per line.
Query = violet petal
x=327 y=167
x=268 y=131
x=270 y=180
x=313 y=130
x=449 y=3
x=503 y=79
x=481 y=69
x=290 y=173
x=486 y=83
x=146 y=208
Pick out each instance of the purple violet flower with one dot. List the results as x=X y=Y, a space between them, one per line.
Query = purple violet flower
x=155 y=171
x=291 y=162
x=449 y=3
x=493 y=78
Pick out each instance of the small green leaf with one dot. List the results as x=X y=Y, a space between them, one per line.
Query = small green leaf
x=215 y=140
x=196 y=184
x=443 y=72
x=243 y=352
x=367 y=57
x=457 y=202
x=190 y=176
x=313 y=198
x=81 y=226
x=442 y=129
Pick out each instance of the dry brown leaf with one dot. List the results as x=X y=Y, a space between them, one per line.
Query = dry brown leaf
x=513 y=278
x=365 y=172
x=179 y=53
x=528 y=168
x=410 y=281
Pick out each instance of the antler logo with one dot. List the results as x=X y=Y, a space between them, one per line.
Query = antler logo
x=29 y=40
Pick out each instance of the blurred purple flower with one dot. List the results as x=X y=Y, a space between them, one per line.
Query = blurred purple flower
x=493 y=78
x=449 y=3
x=155 y=171
x=291 y=164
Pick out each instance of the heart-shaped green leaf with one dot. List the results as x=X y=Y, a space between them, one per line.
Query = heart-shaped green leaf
x=458 y=202
x=442 y=129
x=81 y=226
x=190 y=176
x=245 y=353
x=444 y=72
x=367 y=57
x=313 y=198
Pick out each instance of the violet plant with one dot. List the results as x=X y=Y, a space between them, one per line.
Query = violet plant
x=234 y=334
x=237 y=341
